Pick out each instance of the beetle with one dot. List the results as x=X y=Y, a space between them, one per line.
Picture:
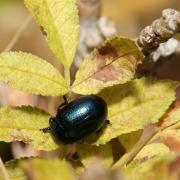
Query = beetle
x=78 y=119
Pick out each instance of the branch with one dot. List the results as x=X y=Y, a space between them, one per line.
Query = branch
x=159 y=31
x=4 y=171
x=18 y=33
x=172 y=46
x=129 y=156
x=94 y=28
x=89 y=9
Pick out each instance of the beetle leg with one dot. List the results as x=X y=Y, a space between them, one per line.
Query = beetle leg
x=65 y=99
x=61 y=106
x=108 y=122
x=75 y=157
x=81 y=141
x=99 y=130
x=51 y=119
x=64 y=103
x=45 y=130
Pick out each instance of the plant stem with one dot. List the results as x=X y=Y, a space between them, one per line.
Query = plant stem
x=18 y=34
x=128 y=157
x=67 y=77
x=4 y=171
x=171 y=126
x=160 y=31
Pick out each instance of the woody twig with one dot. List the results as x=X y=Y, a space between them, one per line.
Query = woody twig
x=160 y=31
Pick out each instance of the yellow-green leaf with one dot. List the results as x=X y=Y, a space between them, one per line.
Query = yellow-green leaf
x=113 y=63
x=29 y=73
x=60 y=24
x=15 y=172
x=88 y=154
x=24 y=124
x=38 y=168
x=42 y=169
x=143 y=166
x=129 y=140
x=133 y=105
x=152 y=150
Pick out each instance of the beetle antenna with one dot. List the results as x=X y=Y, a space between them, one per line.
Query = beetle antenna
x=45 y=130
x=65 y=99
x=108 y=122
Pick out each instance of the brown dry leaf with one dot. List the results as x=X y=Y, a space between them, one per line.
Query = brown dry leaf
x=152 y=162
x=98 y=171
x=164 y=168
x=172 y=139
x=172 y=116
x=174 y=167
x=113 y=63
x=170 y=128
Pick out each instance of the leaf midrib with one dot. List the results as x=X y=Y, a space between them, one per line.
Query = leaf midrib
x=125 y=54
x=35 y=74
x=53 y=22
x=145 y=102
x=17 y=128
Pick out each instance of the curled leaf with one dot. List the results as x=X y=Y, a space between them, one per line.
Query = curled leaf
x=113 y=63
x=30 y=73
x=24 y=124
x=59 y=23
x=133 y=105
x=88 y=154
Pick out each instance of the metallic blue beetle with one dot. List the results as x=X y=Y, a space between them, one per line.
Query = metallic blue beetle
x=78 y=119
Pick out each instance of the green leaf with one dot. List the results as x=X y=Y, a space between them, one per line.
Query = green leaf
x=113 y=63
x=30 y=73
x=129 y=140
x=24 y=124
x=60 y=24
x=42 y=169
x=88 y=154
x=133 y=105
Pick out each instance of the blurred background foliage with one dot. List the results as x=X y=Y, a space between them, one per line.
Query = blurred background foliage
x=130 y=16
